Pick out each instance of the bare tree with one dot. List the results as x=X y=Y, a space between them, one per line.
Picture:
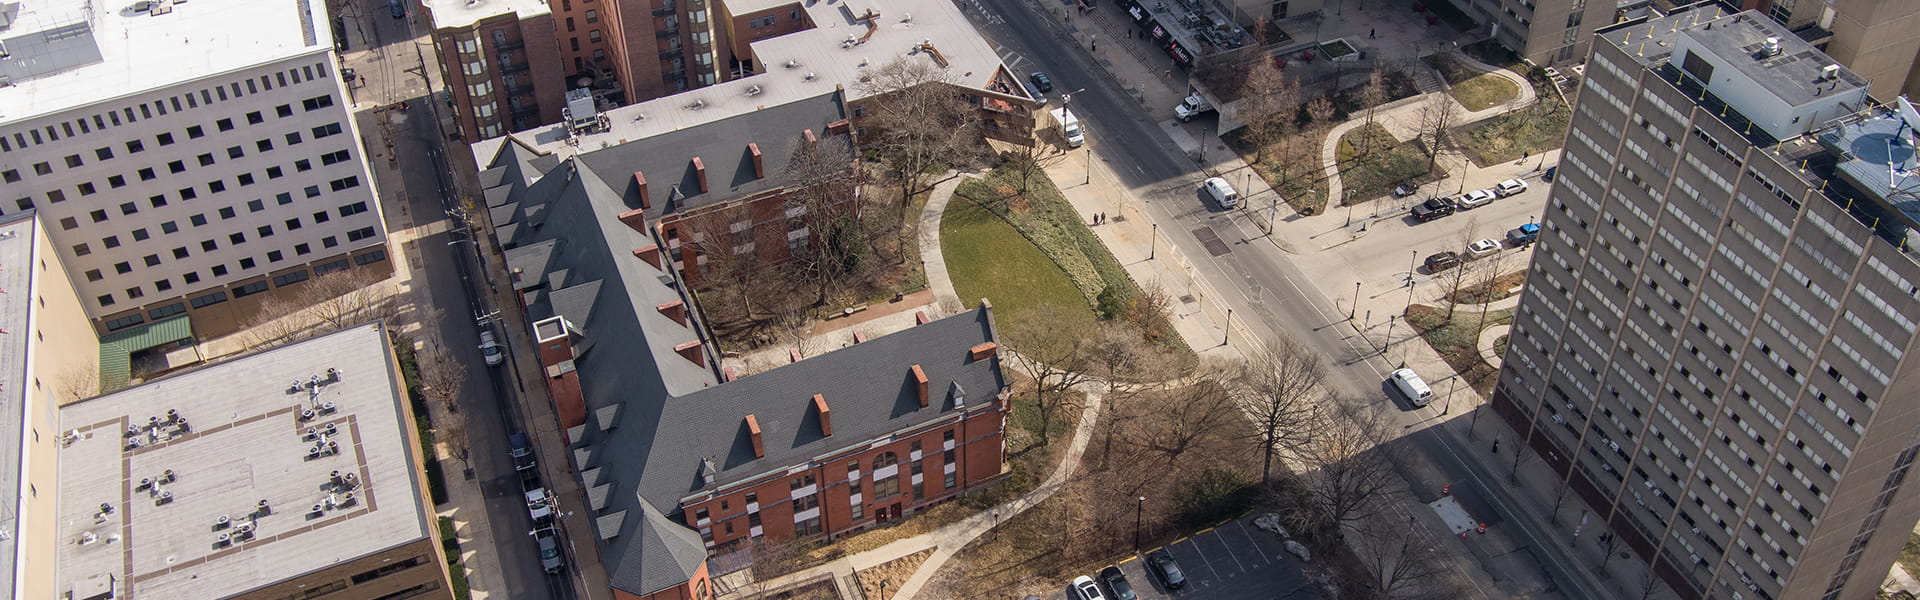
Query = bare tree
x=1440 y=114
x=821 y=182
x=1050 y=344
x=732 y=269
x=1348 y=476
x=1269 y=102
x=1455 y=278
x=319 y=305
x=79 y=378
x=1029 y=162
x=918 y=123
x=1372 y=94
x=1195 y=415
x=1280 y=386
x=441 y=375
x=1402 y=566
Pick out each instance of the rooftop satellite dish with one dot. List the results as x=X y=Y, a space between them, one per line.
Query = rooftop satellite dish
x=1907 y=112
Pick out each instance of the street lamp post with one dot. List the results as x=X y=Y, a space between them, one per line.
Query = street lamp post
x=1389 y=339
x=1356 y=301
x=1140 y=507
x=1448 y=406
x=1228 y=335
x=1089 y=166
x=1153 y=241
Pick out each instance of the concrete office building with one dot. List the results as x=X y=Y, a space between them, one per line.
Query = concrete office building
x=187 y=159
x=264 y=490
x=1710 y=346
x=1873 y=38
x=1547 y=32
x=500 y=62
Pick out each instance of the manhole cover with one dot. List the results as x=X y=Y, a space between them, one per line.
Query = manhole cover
x=1212 y=241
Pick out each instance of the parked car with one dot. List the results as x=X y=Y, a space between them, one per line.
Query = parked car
x=1086 y=589
x=1162 y=567
x=1405 y=189
x=1509 y=187
x=1039 y=97
x=1433 y=208
x=491 y=349
x=1474 y=199
x=1410 y=384
x=549 y=550
x=1222 y=192
x=1116 y=582
x=1524 y=234
x=522 y=451
x=1441 y=261
x=1482 y=248
x=1040 y=80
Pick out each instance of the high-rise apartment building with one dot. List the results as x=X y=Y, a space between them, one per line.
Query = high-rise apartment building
x=187 y=159
x=1548 y=32
x=1874 y=38
x=1711 y=345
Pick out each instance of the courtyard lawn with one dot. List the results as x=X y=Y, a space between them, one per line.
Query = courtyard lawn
x=987 y=258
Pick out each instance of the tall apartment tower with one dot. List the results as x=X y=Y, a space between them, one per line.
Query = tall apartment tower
x=501 y=62
x=1874 y=38
x=187 y=159
x=1548 y=32
x=1710 y=349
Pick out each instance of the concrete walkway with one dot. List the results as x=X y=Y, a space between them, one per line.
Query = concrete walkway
x=1487 y=338
x=935 y=261
x=1401 y=118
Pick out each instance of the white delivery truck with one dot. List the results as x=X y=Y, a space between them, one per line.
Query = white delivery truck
x=1069 y=126
x=1193 y=106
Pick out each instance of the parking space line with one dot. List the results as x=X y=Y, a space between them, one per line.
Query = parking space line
x=1195 y=546
x=1230 y=553
x=1127 y=560
x=1255 y=544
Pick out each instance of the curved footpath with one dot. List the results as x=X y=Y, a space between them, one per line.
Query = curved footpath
x=1402 y=118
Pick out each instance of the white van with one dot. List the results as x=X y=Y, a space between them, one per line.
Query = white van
x=1222 y=192
x=490 y=349
x=1069 y=127
x=1410 y=385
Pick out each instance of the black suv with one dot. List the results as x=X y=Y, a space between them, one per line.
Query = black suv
x=1040 y=80
x=1433 y=208
x=1441 y=261
x=1161 y=566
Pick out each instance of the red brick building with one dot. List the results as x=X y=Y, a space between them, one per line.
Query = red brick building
x=681 y=460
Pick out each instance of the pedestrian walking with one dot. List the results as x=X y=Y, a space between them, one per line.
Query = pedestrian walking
x=1370 y=33
x=1496 y=444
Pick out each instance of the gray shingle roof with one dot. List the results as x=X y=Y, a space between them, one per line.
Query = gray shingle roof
x=559 y=223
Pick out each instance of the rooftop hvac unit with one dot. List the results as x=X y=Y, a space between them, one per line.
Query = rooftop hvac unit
x=1830 y=72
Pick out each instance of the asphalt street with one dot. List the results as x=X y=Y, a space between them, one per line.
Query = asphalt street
x=1268 y=293
x=393 y=68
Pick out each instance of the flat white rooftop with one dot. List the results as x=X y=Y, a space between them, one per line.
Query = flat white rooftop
x=143 y=492
x=69 y=53
x=464 y=13
x=804 y=64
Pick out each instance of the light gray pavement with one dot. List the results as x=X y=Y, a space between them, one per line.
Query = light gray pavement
x=1489 y=337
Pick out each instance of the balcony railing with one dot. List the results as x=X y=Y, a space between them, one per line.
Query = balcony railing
x=509 y=45
x=668 y=32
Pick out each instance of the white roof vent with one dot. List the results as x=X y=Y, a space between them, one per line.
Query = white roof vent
x=906 y=17
x=753 y=90
x=809 y=75
x=791 y=63
x=1771 y=47
x=1830 y=72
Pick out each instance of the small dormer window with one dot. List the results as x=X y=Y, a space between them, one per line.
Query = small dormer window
x=959 y=395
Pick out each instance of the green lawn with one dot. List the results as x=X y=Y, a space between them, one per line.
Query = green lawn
x=988 y=259
x=1372 y=162
x=1457 y=340
x=1485 y=91
x=1531 y=130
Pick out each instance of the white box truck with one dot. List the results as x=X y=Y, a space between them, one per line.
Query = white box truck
x=1193 y=106
x=1069 y=126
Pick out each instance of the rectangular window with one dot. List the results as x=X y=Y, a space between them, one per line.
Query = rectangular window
x=360 y=234
x=250 y=289
x=224 y=124
x=208 y=300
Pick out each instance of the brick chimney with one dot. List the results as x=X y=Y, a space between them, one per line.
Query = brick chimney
x=793 y=355
x=826 y=415
x=919 y=383
x=676 y=310
x=646 y=197
x=753 y=431
x=691 y=351
x=983 y=351
x=700 y=172
x=635 y=219
x=808 y=135
x=651 y=254
x=759 y=169
x=840 y=127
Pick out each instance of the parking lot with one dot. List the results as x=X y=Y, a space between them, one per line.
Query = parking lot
x=1235 y=561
